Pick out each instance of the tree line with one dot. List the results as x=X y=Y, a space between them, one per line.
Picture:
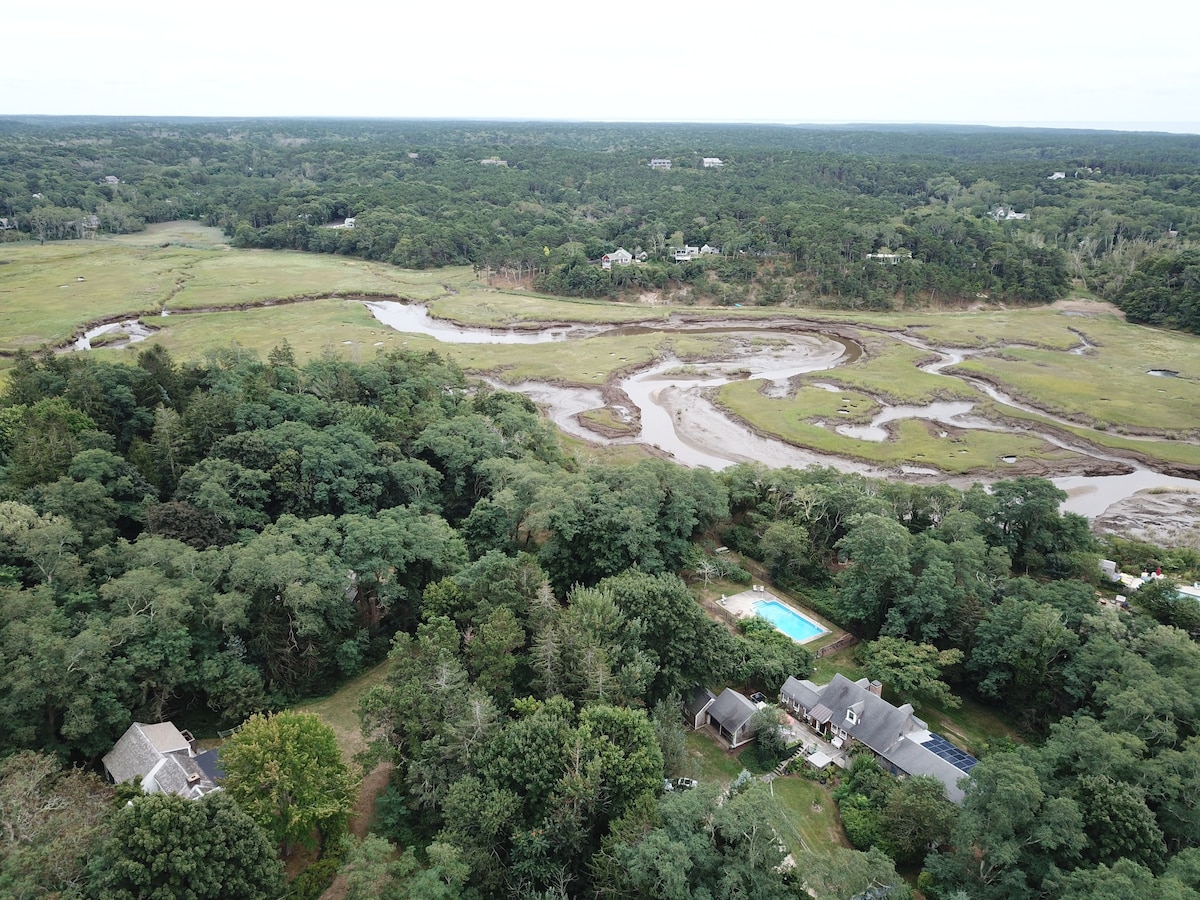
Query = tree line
x=797 y=213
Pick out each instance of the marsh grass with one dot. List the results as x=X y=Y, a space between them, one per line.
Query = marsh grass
x=340 y=326
x=912 y=441
x=50 y=293
x=1111 y=385
x=588 y=362
x=889 y=370
x=608 y=420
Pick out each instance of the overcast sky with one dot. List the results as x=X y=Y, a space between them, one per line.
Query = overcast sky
x=1022 y=62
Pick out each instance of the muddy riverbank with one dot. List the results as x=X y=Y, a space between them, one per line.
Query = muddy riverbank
x=668 y=407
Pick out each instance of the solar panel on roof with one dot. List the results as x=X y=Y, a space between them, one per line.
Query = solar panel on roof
x=941 y=747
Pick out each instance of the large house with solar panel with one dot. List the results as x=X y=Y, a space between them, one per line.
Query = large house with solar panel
x=846 y=710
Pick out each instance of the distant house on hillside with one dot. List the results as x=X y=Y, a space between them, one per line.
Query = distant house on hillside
x=712 y=162
x=349 y=223
x=166 y=760
x=663 y=164
x=685 y=253
x=1007 y=214
x=891 y=258
x=1056 y=176
x=494 y=161
x=843 y=710
x=706 y=250
x=619 y=257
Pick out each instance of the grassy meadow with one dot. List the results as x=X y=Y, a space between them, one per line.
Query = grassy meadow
x=214 y=295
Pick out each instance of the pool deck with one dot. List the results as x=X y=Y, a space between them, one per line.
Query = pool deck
x=742 y=606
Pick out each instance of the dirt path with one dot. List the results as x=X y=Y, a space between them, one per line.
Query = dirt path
x=362 y=815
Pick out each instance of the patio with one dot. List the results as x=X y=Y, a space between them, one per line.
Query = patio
x=798 y=732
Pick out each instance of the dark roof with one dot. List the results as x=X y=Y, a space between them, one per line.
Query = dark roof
x=805 y=693
x=879 y=724
x=210 y=765
x=821 y=713
x=697 y=701
x=915 y=758
x=894 y=733
x=732 y=710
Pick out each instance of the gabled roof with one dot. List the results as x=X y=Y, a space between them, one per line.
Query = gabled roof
x=732 y=710
x=697 y=701
x=892 y=732
x=140 y=748
x=804 y=693
x=879 y=724
x=914 y=758
x=162 y=756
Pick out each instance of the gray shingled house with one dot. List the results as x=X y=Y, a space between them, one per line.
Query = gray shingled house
x=730 y=715
x=696 y=705
x=166 y=760
x=843 y=710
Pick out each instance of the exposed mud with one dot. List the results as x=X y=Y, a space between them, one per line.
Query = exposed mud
x=1161 y=517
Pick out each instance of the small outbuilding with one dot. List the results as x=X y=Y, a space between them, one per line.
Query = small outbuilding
x=696 y=706
x=731 y=716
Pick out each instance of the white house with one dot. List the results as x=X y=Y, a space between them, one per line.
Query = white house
x=663 y=164
x=619 y=257
x=1056 y=176
x=1007 y=214
x=712 y=162
x=683 y=254
x=349 y=223
x=891 y=258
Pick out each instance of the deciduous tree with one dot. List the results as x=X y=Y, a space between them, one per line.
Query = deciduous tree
x=287 y=772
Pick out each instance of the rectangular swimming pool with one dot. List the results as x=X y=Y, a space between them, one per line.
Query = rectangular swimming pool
x=798 y=627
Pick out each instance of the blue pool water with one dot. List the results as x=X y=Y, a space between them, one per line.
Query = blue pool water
x=799 y=628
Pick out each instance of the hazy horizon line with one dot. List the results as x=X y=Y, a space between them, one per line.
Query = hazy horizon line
x=1152 y=127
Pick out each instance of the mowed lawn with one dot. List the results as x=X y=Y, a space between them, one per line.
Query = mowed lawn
x=805 y=815
x=340 y=710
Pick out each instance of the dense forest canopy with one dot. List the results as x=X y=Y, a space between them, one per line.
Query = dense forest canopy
x=957 y=213
x=210 y=540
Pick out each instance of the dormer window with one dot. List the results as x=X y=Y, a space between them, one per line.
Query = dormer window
x=850 y=717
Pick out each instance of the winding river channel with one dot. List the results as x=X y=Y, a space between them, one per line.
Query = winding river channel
x=667 y=401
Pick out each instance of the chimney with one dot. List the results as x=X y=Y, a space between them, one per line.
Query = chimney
x=876 y=688
x=193 y=778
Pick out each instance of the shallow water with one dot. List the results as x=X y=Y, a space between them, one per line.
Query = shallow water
x=679 y=420
x=134 y=331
